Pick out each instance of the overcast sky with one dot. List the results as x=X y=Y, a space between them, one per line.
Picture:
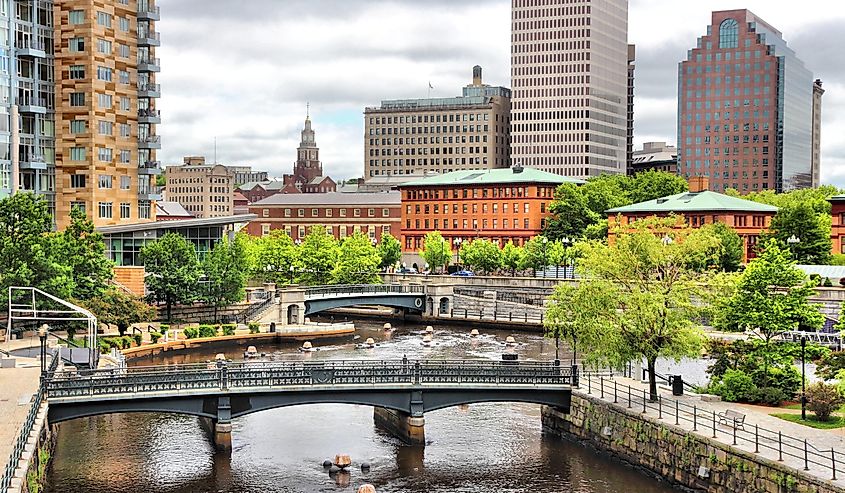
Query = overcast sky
x=243 y=71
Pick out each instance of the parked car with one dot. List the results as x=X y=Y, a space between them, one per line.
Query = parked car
x=406 y=270
x=463 y=273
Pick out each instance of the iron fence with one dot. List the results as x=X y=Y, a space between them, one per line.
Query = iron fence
x=703 y=421
x=355 y=289
x=497 y=316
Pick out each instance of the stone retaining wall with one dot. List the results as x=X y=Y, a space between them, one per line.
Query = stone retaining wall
x=489 y=303
x=684 y=459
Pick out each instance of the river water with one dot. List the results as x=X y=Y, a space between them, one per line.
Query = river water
x=480 y=448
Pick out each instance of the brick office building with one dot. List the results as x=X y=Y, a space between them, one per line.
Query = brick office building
x=342 y=214
x=837 y=233
x=497 y=205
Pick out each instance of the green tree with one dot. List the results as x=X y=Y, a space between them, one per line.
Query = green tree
x=116 y=307
x=27 y=250
x=481 y=255
x=389 y=251
x=810 y=227
x=275 y=257
x=358 y=261
x=570 y=215
x=317 y=257
x=83 y=250
x=637 y=300
x=730 y=246
x=173 y=270
x=224 y=274
x=436 y=251
x=535 y=254
x=511 y=257
x=650 y=185
x=771 y=297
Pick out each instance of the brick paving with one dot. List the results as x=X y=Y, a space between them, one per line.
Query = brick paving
x=820 y=440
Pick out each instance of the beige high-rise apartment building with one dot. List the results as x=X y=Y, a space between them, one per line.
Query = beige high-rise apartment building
x=817 y=133
x=417 y=136
x=569 y=75
x=204 y=190
x=105 y=114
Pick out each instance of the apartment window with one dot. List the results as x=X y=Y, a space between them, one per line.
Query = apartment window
x=77 y=99
x=124 y=24
x=105 y=181
x=105 y=209
x=125 y=182
x=343 y=213
x=105 y=127
x=77 y=181
x=123 y=76
x=76 y=44
x=125 y=156
x=76 y=16
x=329 y=212
x=104 y=154
x=104 y=73
x=123 y=50
x=125 y=103
x=315 y=213
x=371 y=213
x=77 y=126
x=265 y=212
x=300 y=213
x=356 y=212
x=125 y=130
x=265 y=229
x=287 y=212
x=76 y=72
x=104 y=46
x=77 y=154
x=300 y=232
x=143 y=209
x=103 y=19
x=386 y=212
x=78 y=205
x=104 y=101
x=124 y=210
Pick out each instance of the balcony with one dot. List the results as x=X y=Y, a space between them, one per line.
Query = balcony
x=149 y=116
x=33 y=105
x=148 y=12
x=149 y=64
x=148 y=194
x=149 y=142
x=32 y=162
x=150 y=168
x=149 y=90
x=149 y=38
x=31 y=48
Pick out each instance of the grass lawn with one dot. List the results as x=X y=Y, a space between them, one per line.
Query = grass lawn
x=798 y=406
x=833 y=422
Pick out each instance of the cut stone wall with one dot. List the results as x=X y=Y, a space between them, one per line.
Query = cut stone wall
x=489 y=303
x=686 y=460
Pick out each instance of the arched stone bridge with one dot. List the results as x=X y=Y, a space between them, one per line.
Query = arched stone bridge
x=402 y=391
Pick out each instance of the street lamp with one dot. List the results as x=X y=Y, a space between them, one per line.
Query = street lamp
x=458 y=242
x=667 y=240
x=792 y=241
x=42 y=335
x=545 y=240
x=291 y=274
x=803 y=381
x=404 y=270
x=565 y=242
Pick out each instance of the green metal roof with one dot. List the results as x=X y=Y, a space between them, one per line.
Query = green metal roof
x=837 y=198
x=695 y=202
x=490 y=176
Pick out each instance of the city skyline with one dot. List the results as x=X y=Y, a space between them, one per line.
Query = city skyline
x=298 y=55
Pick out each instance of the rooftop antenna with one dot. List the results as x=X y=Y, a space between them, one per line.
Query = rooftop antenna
x=308 y=110
x=215 y=149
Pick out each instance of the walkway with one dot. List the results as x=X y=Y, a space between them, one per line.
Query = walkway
x=819 y=442
x=17 y=386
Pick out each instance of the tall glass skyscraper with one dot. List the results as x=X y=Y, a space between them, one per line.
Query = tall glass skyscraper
x=745 y=108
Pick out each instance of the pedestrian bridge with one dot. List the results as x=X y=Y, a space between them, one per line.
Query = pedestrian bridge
x=224 y=391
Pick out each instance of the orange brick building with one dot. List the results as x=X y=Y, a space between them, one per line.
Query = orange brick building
x=701 y=206
x=495 y=204
x=837 y=230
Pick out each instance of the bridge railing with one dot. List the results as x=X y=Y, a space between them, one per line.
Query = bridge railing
x=214 y=377
x=348 y=289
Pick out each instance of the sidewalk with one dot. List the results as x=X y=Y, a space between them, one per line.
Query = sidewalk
x=821 y=440
x=17 y=386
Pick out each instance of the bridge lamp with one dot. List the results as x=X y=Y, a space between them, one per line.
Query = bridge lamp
x=792 y=241
x=545 y=242
x=42 y=335
x=803 y=381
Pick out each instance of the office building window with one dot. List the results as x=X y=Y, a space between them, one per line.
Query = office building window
x=729 y=34
x=123 y=50
x=125 y=130
x=125 y=103
x=105 y=209
x=124 y=24
x=124 y=210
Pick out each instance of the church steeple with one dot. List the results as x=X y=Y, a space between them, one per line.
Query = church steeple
x=308 y=139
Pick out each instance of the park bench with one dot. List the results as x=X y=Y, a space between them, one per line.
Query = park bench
x=732 y=418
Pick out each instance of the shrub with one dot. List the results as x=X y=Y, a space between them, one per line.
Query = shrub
x=823 y=399
x=126 y=342
x=827 y=283
x=771 y=396
x=155 y=336
x=254 y=327
x=191 y=332
x=163 y=328
x=786 y=378
x=103 y=346
x=138 y=338
x=737 y=386
x=830 y=365
x=206 y=330
x=228 y=329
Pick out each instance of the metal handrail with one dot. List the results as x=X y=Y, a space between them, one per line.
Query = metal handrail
x=363 y=289
x=701 y=419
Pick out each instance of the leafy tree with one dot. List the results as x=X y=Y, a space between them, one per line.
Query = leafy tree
x=436 y=250
x=637 y=300
x=317 y=257
x=389 y=250
x=275 y=254
x=225 y=273
x=730 y=248
x=771 y=297
x=83 y=250
x=27 y=250
x=570 y=215
x=535 y=253
x=511 y=257
x=116 y=307
x=823 y=399
x=810 y=227
x=358 y=261
x=818 y=197
x=481 y=255
x=173 y=270
x=605 y=192
x=650 y=185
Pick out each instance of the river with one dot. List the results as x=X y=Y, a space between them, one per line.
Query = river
x=479 y=448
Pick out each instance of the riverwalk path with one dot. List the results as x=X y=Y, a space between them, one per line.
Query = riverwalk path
x=758 y=426
x=17 y=388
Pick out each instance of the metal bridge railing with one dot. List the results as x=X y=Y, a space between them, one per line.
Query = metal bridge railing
x=277 y=375
x=351 y=289
x=704 y=421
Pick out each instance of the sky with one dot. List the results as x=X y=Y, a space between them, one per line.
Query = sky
x=241 y=73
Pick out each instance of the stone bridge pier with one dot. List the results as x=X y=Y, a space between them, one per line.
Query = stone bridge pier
x=407 y=427
x=292 y=306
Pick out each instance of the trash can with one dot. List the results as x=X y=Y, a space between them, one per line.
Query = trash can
x=677 y=385
x=272 y=327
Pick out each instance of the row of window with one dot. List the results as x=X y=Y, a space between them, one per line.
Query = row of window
x=105 y=101
x=401 y=151
x=485 y=223
x=76 y=17
x=461 y=139
x=465 y=208
x=328 y=212
x=342 y=230
x=476 y=192
x=451 y=129
x=105 y=210
x=105 y=154
x=447 y=161
x=452 y=117
x=104 y=181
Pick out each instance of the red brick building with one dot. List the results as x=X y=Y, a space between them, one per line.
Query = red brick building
x=342 y=214
x=837 y=233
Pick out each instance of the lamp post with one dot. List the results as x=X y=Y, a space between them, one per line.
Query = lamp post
x=404 y=270
x=42 y=335
x=803 y=381
x=565 y=242
x=458 y=242
x=291 y=274
x=792 y=241
x=545 y=241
